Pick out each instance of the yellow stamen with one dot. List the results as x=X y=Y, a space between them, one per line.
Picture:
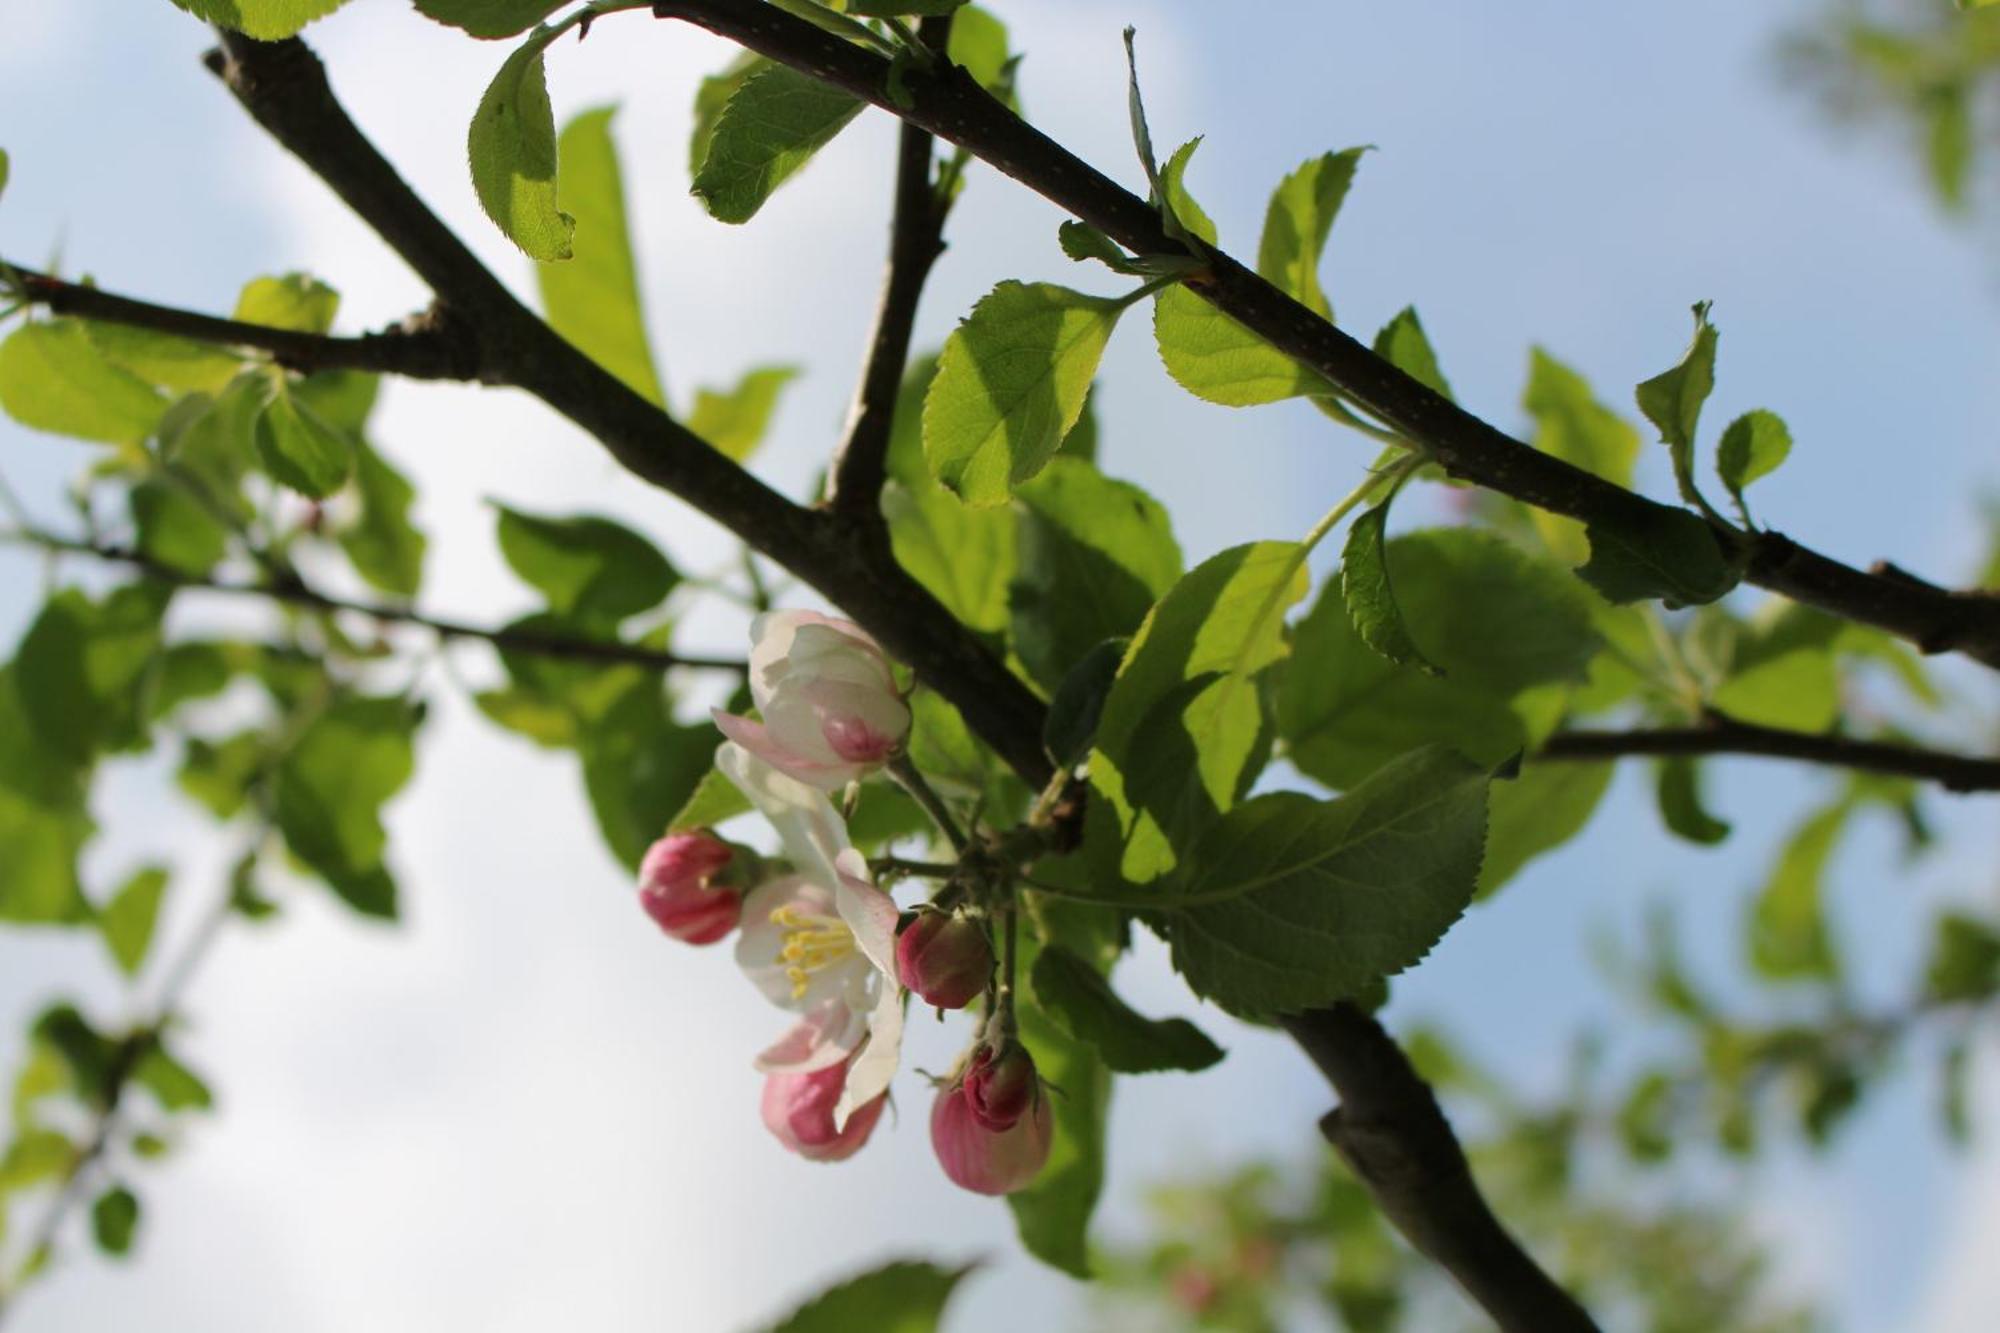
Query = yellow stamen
x=812 y=942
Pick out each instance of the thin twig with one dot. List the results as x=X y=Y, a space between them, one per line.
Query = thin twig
x=910 y=780
x=916 y=239
x=1723 y=735
x=294 y=591
x=421 y=347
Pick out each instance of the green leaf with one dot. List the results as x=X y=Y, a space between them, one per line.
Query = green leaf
x=1095 y=554
x=1011 y=383
x=1783 y=672
x=53 y=378
x=1078 y=704
x=1494 y=619
x=1403 y=343
x=330 y=790
x=35 y=1155
x=768 y=130
x=126 y=922
x=1670 y=555
x=4 y=168
x=299 y=447
x=512 y=144
x=1681 y=806
x=162 y=359
x=1539 y=810
x=1571 y=424
x=944 y=749
x=1081 y=242
x=1296 y=223
x=589 y=568
x=592 y=298
x=529 y=713
x=1290 y=903
x=113 y=1220
x=640 y=768
x=715 y=800
x=190 y=670
x=1219 y=360
x=1753 y=446
x=1788 y=936
x=386 y=548
x=1672 y=400
x=173 y=1085
x=1965 y=960
x=219 y=774
x=295 y=301
x=734 y=421
x=978 y=45
x=1173 y=183
x=490 y=18
x=1081 y=1001
x=964 y=556
x=711 y=96
x=1369 y=595
x=266 y=20
x=1053 y=1214
x=172 y=527
x=43 y=820
x=905 y=1297
x=1183 y=730
x=83 y=669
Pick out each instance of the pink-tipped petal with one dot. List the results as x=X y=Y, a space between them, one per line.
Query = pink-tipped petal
x=798 y=1109
x=826 y=1036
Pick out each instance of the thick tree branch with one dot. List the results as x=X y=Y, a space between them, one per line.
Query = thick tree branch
x=284 y=88
x=292 y=591
x=421 y=347
x=916 y=239
x=1390 y=1131
x=950 y=104
x=1723 y=735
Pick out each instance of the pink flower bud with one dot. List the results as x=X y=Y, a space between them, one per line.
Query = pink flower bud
x=945 y=958
x=798 y=1108
x=1001 y=1087
x=676 y=890
x=831 y=709
x=986 y=1160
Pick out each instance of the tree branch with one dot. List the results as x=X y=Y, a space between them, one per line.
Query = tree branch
x=284 y=88
x=1721 y=734
x=950 y=104
x=916 y=239
x=1389 y=1129
x=294 y=592
x=423 y=346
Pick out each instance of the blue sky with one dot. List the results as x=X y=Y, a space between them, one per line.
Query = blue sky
x=524 y=1106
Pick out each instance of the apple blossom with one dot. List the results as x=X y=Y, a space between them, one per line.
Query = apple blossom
x=828 y=699
x=977 y=1152
x=800 y=1110
x=820 y=942
x=678 y=890
x=944 y=957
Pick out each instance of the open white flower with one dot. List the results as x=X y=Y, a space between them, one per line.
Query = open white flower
x=820 y=942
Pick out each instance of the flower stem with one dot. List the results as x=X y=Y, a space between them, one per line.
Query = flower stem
x=906 y=776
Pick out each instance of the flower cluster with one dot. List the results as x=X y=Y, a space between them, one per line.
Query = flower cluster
x=820 y=939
